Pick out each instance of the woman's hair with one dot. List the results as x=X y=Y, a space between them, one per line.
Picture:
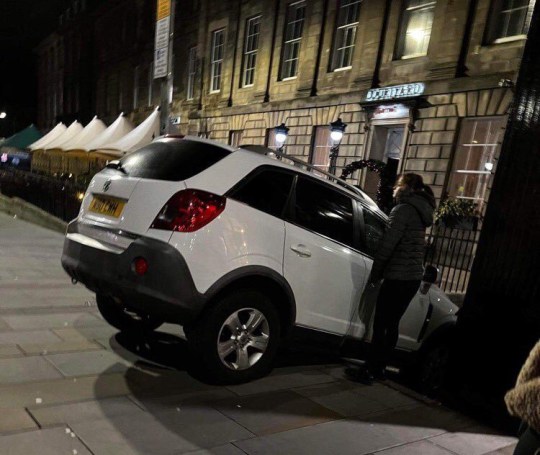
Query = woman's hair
x=414 y=182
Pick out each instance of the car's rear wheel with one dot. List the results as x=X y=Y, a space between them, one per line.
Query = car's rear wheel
x=120 y=317
x=432 y=368
x=236 y=339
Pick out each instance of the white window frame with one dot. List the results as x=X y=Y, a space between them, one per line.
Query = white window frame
x=321 y=147
x=339 y=60
x=503 y=9
x=192 y=72
x=290 y=54
x=235 y=137
x=408 y=13
x=251 y=47
x=216 y=59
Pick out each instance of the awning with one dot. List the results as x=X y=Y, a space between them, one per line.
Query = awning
x=117 y=130
x=49 y=137
x=23 y=138
x=139 y=137
x=74 y=129
x=87 y=135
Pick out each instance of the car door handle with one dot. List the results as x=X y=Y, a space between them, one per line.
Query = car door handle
x=301 y=250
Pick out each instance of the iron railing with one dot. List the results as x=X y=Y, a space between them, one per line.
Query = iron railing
x=452 y=251
x=57 y=196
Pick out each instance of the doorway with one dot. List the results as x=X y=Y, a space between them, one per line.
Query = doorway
x=386 y=144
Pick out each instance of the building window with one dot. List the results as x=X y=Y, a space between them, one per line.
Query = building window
x=292 y=36
x=235 y=137
x=345 y=34
x=192 y=71
x=509 y=19
x=270 y=140
x=475 y=158
x=216 y=59
x=415 y=29
x=322 y=144
x=251 y=46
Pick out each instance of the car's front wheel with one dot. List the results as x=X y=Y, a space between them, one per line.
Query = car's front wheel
x=120 y=317
x=236 y=339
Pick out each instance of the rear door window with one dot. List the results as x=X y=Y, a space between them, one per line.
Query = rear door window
x=374 y=229
x=267 y=190
x=172 y=159
x=323 y=210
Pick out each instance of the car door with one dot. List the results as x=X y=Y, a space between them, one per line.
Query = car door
x=321 y=263
x=373 y=227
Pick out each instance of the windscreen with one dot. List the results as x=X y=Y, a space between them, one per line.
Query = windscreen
x=172 y=159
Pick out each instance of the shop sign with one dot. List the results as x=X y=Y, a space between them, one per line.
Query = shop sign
x=161 y=43
x=396 y=91
x=389 y=111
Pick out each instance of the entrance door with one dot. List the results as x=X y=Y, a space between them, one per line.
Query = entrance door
x=387 y=144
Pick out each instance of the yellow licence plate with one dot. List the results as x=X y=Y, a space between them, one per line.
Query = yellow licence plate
x=107 y=206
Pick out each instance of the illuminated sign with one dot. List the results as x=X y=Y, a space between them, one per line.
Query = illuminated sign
x=386 y=111
x=395 y=92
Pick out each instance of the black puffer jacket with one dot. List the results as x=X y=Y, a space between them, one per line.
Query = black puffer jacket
x=401 y=253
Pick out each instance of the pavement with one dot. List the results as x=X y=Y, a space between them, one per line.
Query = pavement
x=71 y=384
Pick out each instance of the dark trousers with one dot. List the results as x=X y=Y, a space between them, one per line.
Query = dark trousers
x=392 y=302
x=529 y=443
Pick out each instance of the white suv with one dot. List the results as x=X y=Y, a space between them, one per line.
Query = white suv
x=241 y=249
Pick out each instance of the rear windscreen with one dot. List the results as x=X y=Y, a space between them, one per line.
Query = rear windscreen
x=172 y=159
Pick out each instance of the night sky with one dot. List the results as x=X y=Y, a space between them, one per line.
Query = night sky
x=23 y=24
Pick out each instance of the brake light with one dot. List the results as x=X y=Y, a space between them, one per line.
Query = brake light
x=188 y=211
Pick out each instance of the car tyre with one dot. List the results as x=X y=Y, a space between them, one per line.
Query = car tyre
x=236 y=339
x=432 y=368
x=120 y=318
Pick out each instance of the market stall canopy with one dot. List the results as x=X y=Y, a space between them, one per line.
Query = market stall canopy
x=74 y=129
x=118 y=129
x=87 y=135
x=49 y=137
x=139 y=137
x=23 y=138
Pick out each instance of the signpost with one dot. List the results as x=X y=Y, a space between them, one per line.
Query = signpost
x=163 y=61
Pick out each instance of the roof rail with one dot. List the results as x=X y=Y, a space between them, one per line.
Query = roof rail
x=262 y=150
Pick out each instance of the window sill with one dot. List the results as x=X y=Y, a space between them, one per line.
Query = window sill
x=287 y=79
x=510 y=39
x=214 y=92
x=409 y=57
x=345 y=68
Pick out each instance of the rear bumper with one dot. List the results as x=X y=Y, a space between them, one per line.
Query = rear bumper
x=166 y=291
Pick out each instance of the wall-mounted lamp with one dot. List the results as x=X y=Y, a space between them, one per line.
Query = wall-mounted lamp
x=281 y=136
x=337 y=129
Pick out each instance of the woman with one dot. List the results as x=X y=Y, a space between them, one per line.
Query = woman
x=399 y=261
x=523 y=401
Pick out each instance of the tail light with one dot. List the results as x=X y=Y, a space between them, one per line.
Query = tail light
x=188 y=211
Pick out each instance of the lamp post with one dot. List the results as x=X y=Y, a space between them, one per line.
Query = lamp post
x=337 y=129
x=281 y=136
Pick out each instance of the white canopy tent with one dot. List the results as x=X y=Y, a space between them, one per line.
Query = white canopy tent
x=118 y=129
x=94 y=128
x=137 y=138
x=57 y=131
x=74 y=129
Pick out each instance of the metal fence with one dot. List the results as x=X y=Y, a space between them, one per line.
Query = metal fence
x=59 y=197
x=452 y=250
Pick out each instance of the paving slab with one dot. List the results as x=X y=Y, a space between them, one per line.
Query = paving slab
x=31 y=336
x=275 y=412
x=26 y=369
x=48 y=416
x=168 y=433
x=86 y=363
x=53 y=441
x=464 y=443
x=66 y=346
x=49 y=321
x=16 y=419
x=416 y=448
x=228 y=449
x=9 y=351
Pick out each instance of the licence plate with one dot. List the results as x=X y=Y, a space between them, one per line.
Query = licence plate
x=107 y=206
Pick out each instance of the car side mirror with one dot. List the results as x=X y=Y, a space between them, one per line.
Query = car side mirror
x=431 y=274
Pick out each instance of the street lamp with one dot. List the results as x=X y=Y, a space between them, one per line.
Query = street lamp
x=3 y=115
x=281 y=136
x=337 y=129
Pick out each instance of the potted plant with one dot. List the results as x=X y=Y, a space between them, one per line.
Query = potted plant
x=457 y=213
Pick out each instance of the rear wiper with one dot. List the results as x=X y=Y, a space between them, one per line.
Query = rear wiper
x=116 y=164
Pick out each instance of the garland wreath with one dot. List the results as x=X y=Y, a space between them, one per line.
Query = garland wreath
x=386 y=182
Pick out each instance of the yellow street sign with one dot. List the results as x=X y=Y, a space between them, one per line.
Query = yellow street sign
x=163 y=9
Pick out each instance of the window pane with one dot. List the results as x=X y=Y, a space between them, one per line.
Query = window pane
x=250 y=50
x=475 y=158
x=218 y=39
x=374 y=232
x=324 y=210
x=235 y=137
x=510 y=18
x=267 y=191
x=345 y=34
x=192 y=70
x=291 y=39
x=322 y=144
x=416 y=28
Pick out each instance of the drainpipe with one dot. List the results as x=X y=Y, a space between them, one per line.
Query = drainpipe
x=204 y=50
x=269 y=78
x=320 y=50
x=230 y=100
x=376 y=81
x=461 y=67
